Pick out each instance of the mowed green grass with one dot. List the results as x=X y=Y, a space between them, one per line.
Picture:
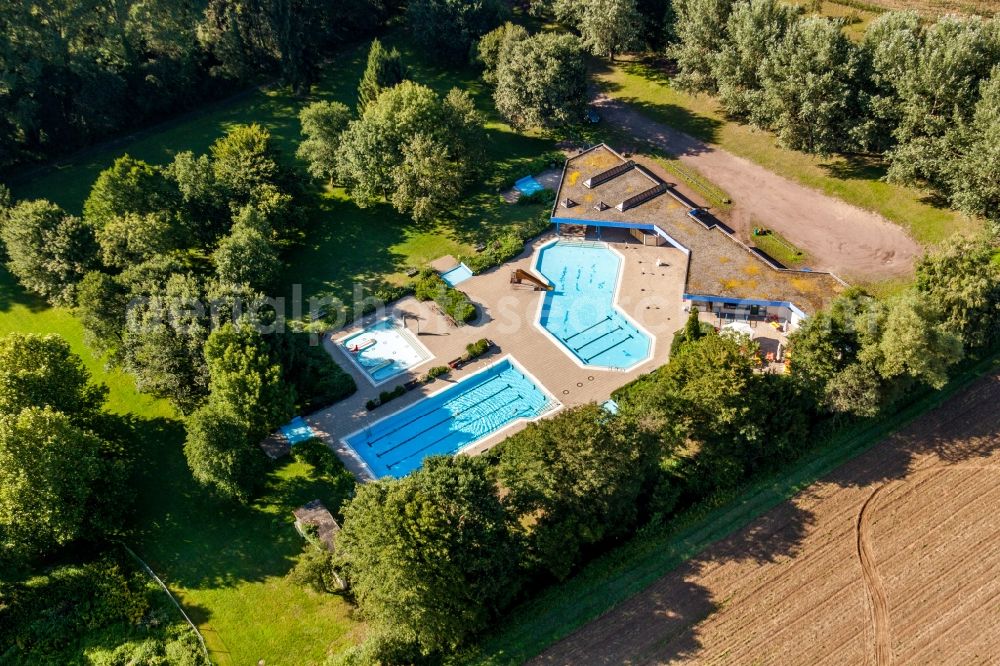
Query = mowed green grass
x=857 y=181
x=226 y=563
x=779 y=248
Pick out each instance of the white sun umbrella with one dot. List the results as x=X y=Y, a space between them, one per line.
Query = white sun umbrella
x=738 y=327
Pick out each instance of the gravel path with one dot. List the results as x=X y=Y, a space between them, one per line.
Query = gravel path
x=856 y=244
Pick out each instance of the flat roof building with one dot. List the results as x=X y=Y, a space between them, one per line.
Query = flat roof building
x=602 y=189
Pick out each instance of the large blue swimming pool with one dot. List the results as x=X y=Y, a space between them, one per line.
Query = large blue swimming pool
x=580 y=312
x=449 y=421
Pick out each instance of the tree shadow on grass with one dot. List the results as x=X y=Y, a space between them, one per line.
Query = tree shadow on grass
x=13 y=294
x=659 y=72
x=856 y=167
x=197 y=540
x=656 y=120
x=346 y=244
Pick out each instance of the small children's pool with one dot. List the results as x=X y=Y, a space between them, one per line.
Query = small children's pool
x=384 y=350
x=451 y=420
x=458 y=274
x=580 y=311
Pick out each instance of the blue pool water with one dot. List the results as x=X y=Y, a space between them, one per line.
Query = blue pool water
x=297 y=430
x=580 y=311
x=528 y=185
x=458 y=274
x=384 y=350
x=449 y=421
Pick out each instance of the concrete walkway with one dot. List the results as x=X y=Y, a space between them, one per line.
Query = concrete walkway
x=855 y=244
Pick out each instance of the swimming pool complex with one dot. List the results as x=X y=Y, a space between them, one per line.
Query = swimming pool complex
x=580 y=312
x=451 y=420
x=384 y=350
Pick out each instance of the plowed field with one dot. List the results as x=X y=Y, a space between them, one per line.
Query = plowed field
x=893 y=558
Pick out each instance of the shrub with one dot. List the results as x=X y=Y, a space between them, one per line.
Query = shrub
x=545 y=197
x=47 y=613
x=430 y=287
x=317 y=378
x=385 y=396
x=504 y=247
x=476 y=349
x=315 y=570
x=437 y=371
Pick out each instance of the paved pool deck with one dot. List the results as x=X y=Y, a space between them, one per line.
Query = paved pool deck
x=648 y=293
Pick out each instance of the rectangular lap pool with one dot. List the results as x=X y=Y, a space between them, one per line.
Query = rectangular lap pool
x=446 y=422
x=384 y=350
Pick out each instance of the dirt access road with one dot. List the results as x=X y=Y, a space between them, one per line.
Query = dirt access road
x=856 y=244
x=892 y=559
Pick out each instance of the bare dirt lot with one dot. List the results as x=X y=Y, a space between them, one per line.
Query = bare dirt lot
x=893 y=558
x=936 y=8
x=856 y=244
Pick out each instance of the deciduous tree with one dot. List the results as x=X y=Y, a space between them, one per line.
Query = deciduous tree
x=220 y=453
x=447 y=28
x=608 y=27
x=322 y=124
x=245 y=381
x=541 y=81
x=809 y=84
x=49 y=472
x=374 y=147
x=575 y=479
x=48 y=251
x=42 y=371
x=494 y=44
x=431 y=555
x=701 y=35
x=754 y=29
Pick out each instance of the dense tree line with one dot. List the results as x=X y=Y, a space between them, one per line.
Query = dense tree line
x=926 y=97
x=447 y=29
x=78 y=70
x=164 y=256
x=567 y=488
x=609 y=27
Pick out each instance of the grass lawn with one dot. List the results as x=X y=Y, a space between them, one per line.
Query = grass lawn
x=858 y=19
x=228 y=564
x=632 y=567
x=645 y=86
x=777 y=247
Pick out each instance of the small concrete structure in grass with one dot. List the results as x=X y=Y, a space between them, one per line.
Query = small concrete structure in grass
x=315 y=522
